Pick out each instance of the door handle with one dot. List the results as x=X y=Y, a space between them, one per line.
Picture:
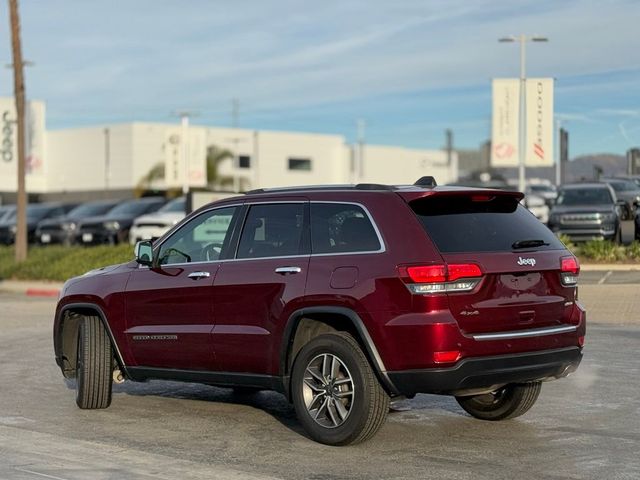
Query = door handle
x=288 y=270
x=199 y=275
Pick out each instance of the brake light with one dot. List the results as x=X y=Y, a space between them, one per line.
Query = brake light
x=570 y=265
x=455 y=277
x=428 y=274
x=569 y=270
x=463 y=270
x=482 y=198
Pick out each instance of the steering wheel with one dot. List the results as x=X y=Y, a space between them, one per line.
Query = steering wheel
x=211 y=251
x=174 y=251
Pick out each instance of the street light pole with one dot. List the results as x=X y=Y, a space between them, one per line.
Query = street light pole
x=522 y=114
x=184 y=143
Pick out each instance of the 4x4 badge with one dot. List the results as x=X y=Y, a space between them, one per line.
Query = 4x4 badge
x=527 y=261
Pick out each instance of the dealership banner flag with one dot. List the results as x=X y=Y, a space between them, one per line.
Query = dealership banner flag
x=505 y=122
x=539 y=152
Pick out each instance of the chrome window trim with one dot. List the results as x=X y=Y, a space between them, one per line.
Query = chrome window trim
x=536 y=332
x=382 y=249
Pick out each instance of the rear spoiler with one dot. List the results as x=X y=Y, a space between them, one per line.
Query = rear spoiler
x=411 y=195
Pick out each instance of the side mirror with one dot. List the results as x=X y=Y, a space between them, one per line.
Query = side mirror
x=144 y=253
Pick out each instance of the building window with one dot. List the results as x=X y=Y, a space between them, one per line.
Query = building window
x=244 y=161
x=300 y=164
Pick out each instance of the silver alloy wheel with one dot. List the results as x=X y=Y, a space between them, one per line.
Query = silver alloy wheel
x=328 y=390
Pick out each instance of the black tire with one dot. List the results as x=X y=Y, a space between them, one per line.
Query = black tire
x=367 y=406
x=507 y=402
x=94 y=368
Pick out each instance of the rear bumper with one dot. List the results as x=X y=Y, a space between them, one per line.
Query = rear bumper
x=481 y=372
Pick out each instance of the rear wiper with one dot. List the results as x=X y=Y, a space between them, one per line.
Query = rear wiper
x=528 y=244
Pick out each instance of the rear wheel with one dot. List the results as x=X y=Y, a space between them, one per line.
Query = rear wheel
x=94 y=366
x=507 y=402
x=336 y=394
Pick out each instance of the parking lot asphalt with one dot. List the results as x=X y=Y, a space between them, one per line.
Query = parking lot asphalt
x=584 y=427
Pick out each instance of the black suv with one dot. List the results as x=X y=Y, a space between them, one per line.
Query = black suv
x=62 y=230
x=587 y=211
x=36 y=212
x=113 y=227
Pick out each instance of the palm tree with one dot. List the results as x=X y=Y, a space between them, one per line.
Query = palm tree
x=155 y=173
x=215 y=156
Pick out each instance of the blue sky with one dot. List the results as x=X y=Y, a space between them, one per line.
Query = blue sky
x=410 y=69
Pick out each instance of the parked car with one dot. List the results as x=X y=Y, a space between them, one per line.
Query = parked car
x=548 y=192
x=62 y=230
x=628 y=191
x=6 y=211
x=154 y=225
x=339 y=298
x=538 y=206
x=113 y=227
x=36 y=212
x=587 y=211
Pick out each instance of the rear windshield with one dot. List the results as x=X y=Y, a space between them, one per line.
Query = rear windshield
x=459 y=224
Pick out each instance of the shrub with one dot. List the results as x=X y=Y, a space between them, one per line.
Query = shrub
x=59 y=263
x=603 y=251
x=633 y=251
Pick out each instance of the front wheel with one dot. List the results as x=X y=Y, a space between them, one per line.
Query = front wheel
x=507 y=402
x=94 y=367
x=336 y=394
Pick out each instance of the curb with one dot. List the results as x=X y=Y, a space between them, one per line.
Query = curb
x=31 y=289
x=605 y=267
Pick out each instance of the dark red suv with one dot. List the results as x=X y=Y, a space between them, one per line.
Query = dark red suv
x=339 y=297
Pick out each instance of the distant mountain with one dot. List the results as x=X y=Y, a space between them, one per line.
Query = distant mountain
x=580 y=168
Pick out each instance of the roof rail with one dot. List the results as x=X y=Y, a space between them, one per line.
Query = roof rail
x=426 y=181
x=306 y=188
x=373 y=186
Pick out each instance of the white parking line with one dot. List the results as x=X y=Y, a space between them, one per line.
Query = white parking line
x=604 y=278
x=44 y=475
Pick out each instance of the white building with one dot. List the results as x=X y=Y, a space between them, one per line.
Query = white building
x=112 y=159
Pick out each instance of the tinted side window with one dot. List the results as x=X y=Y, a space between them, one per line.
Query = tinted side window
x=460 y=224
x=338 y=228
x=272 y=231
x=204 y=238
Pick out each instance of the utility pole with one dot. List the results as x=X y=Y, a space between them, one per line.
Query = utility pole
x=235 y=112
x=107 y=159
x=19 y=92
x=361 y=126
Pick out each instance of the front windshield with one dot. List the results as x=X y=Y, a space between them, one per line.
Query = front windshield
x=584 y=196
x=90 y=209
x=177 y=205
x=541 y=188
x=37 y=212
x=133 y=207
x=623 y=185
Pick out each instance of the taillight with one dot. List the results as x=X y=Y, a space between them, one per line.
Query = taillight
x=569 y=270
x=455 y=277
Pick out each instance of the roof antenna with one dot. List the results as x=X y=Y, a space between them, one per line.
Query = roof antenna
x=427 y=181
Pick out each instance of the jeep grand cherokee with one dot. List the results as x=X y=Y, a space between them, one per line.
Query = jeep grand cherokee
x=340 y=298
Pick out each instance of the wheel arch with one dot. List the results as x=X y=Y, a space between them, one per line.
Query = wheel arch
x=335 y=319
x=66 y=334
